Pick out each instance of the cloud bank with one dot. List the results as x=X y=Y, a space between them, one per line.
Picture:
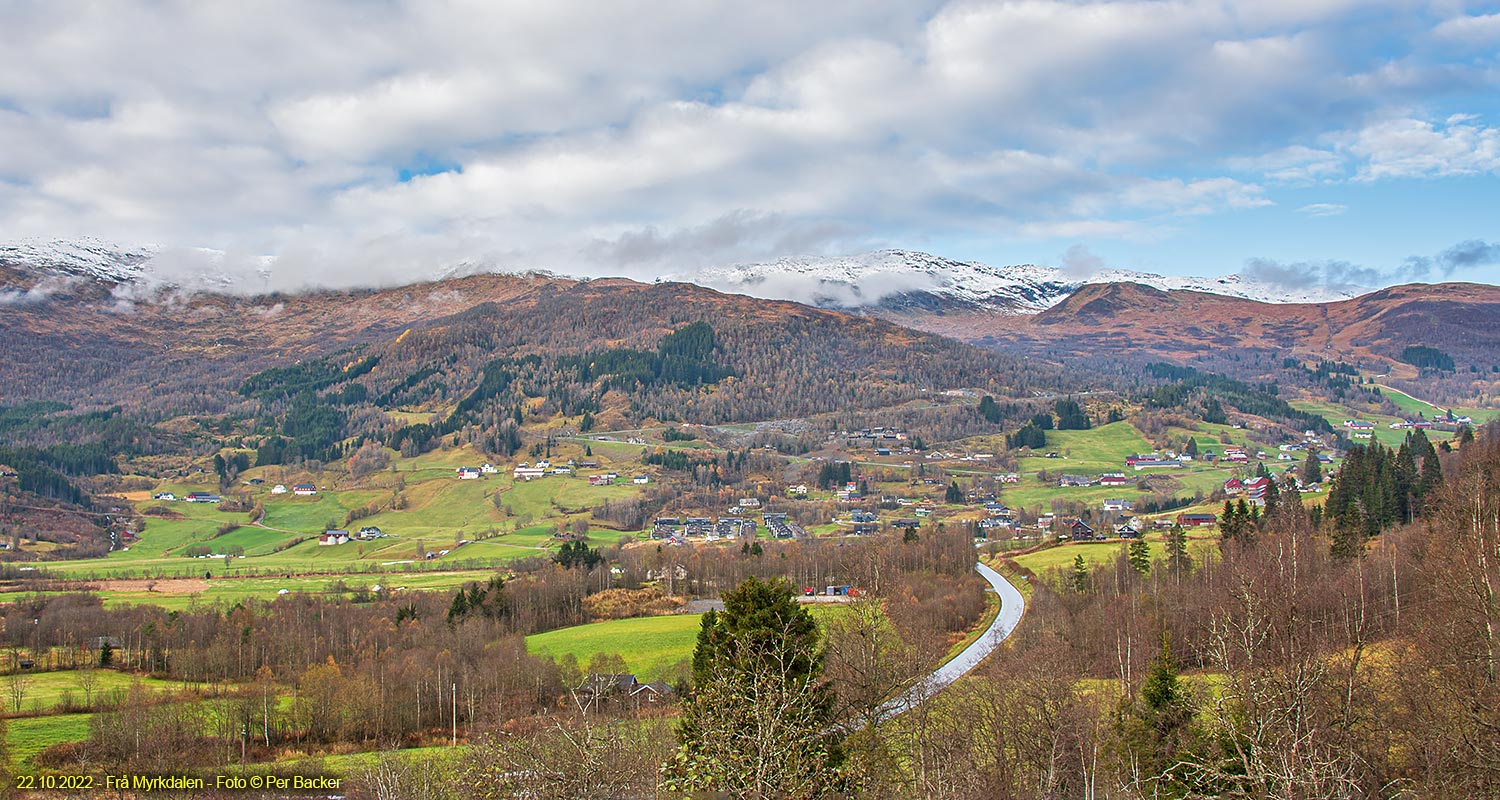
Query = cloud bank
x=359 y=147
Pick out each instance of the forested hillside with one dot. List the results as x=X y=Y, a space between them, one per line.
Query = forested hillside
x=427 y=346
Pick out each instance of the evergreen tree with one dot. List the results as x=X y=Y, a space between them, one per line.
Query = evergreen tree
x=1157 y=727
x=1079 y=579
x=989 y=409
x=459 y=608
x=1229 y=523
x=1192 y=446
x=1431 y=477
x=759 y=720
x=1213 y=412
x=1177 y=552
x=1312 y=469
x=1070 y=416
x=1273 y=501
x=1140 y=556
x=953 y=494
x=1244 y=529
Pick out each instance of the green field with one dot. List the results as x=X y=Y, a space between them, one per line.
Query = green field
x=1045 y=561
x=651 y=646
x=45 y=690
x=1104 y=449
x=1336 y=414
x=1101 y=449
x=1412 y=405
x=28 y=736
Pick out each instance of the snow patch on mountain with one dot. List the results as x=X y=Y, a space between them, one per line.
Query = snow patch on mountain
x=894 y=276
x=88 y=258
x=134 y=272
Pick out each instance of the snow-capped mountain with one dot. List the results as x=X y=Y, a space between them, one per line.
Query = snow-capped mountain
x=900 y=278
x=136 y=270
x=88 y=258
x=886 y=279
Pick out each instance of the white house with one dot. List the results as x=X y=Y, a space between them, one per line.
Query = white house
x=640 y=480
x=304 y=490
x=527 y=473
x=279 y=488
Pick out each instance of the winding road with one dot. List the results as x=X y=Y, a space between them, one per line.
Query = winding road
x=1012 y=605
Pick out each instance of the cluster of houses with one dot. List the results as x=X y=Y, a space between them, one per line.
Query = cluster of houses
x=1252 y=489
x=999 y=517
x=872 y=434
x=952 y=456
x=782 y=527
x=541 y=469
x=676 y=530
x=337 y=537
x=300 y=489
x=1105 y=479
x=1360 y=428
x=1082 y=531
x=1447 y=423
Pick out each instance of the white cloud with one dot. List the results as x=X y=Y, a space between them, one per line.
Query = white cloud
x=604 y=138
x=1406 y=148
x=1476 y=31
x=1323 y=209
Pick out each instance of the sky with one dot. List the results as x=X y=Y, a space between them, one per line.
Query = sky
x=1292 y=141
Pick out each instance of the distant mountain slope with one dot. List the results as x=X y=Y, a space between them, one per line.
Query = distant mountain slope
x=894 y=281
x=1463 y=319
x=190 y=355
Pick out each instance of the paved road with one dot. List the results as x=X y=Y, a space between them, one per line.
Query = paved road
x=1012 y=604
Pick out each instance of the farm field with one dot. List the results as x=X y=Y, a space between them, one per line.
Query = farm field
x=27 y=736
x=1104 y=449
x=1412 y=405
x=45 y=690
x=1101 y=449
x=1044 y=561
x=650 y=646
x=1336 y=414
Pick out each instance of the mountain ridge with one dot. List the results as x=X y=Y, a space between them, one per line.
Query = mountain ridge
x=882 y=280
